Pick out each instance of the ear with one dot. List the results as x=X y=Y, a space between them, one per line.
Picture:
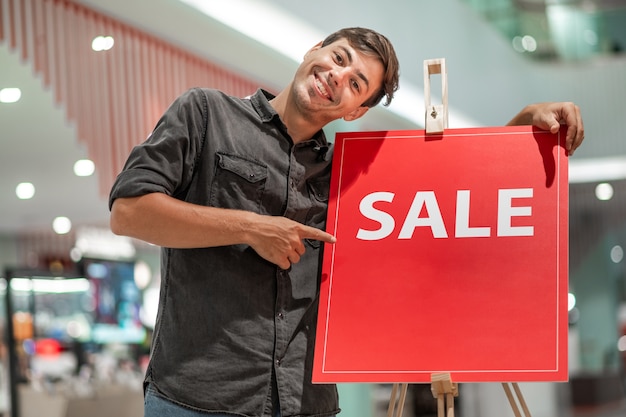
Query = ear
x=355 y=114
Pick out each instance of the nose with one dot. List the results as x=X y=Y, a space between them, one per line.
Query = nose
x=338 y=75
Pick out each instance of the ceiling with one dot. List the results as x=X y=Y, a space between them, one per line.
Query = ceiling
x=488 y=83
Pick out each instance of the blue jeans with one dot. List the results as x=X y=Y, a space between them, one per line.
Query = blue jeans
x=157 y=406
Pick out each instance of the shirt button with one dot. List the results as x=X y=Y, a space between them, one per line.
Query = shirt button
x=277 y=362
x=281 y=315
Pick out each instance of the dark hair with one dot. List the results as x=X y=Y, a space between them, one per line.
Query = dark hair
x=373 y=43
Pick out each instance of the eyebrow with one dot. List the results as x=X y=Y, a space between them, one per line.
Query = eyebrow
x=350 y=60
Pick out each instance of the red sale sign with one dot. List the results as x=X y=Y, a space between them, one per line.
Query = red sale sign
x=451 y=256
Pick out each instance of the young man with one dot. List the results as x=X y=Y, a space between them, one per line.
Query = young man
x=236 y=191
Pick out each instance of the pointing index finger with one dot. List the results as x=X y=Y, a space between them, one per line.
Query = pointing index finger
x=317 y=234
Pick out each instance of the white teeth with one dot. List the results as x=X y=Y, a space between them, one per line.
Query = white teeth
x=321 y=88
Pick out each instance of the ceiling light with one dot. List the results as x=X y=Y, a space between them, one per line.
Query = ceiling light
x=621 y=344
x=529 y=43
x=571 y=301
x=142 y=274
x=10 y=95
x=604 y=191
x=25 y=191
x=84 y=167
x=517 y=44
x=102 y=43
x=617 y=254
x=62 y=225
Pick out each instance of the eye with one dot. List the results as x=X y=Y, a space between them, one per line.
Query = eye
x=339 y=59
x=356 y=85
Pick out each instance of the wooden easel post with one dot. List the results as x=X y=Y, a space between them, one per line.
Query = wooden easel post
x=444 y=390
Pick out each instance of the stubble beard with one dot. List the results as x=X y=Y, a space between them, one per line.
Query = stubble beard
x=304 y=98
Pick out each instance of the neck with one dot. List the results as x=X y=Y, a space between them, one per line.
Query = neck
x=300 y=127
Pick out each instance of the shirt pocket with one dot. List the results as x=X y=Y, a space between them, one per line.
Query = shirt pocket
x=239 y=183
x=316 y=216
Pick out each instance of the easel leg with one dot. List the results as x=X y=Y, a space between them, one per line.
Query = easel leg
x=520 y=397
x=403 y=390
x=441 y=406
x=512 y=399
x=450 y=404
x=399 y=401
x=392 y=400
x=445 y=405
x=444 y=390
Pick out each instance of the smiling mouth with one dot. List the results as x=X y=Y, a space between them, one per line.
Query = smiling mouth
x=321 y=88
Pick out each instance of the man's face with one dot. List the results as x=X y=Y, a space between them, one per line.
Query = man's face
x=334 y=81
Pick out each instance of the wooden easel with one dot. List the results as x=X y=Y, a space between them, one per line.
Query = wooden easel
x=444 y=390
x=396 y=402
x=512 y=400
x=442 y=387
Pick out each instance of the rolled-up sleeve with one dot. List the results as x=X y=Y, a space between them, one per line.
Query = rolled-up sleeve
x=164 y=163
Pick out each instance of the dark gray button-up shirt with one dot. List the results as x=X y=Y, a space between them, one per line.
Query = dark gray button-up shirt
x=229 y=320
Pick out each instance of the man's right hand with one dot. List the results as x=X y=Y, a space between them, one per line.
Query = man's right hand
x=281 y=240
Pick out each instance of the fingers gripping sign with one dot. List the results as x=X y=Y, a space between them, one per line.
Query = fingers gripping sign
x=551 y=115
x=281 y=240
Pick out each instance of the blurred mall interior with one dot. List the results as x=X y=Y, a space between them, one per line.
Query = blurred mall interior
x=82 y=81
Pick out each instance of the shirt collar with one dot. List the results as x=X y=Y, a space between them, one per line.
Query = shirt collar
x=261 y=103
